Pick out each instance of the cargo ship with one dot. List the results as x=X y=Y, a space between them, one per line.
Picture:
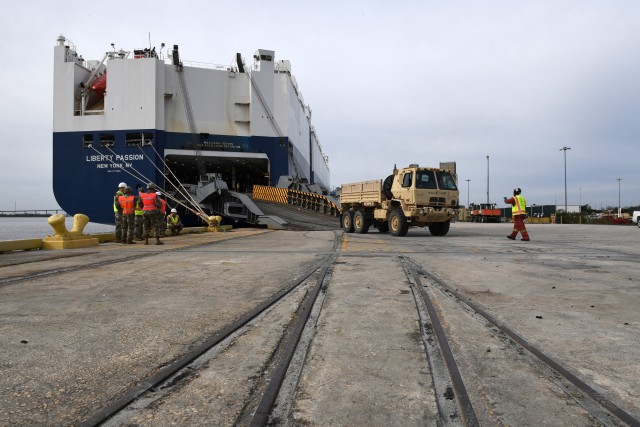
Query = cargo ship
x=145 y=116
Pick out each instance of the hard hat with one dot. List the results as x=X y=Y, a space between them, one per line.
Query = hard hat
x=158 y=193
x=174 y=210
x=517 y=191
x=151 y=185
x=122 y=185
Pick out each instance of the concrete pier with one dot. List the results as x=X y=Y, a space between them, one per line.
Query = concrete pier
x=80 y=327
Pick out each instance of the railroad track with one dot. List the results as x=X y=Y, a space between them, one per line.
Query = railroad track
x=275 y=393
x=599 y=406
x=123 y=407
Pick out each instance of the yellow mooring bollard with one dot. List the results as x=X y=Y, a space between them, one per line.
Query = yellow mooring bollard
x=214 y=223
x=64 y=239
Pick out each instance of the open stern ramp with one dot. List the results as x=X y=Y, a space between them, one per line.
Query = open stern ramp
x=238 y=169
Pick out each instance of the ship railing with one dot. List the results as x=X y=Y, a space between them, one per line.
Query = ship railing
x=303 y=199
x=196 y=64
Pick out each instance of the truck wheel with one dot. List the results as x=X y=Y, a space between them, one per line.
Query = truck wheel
x=347 y=222
x=383 y=227
x=386 y=187
x=398 y=225
x=360 y=223
x=440 y=228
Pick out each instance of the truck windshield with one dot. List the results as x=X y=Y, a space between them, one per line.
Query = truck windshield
x=425 y=179
x=445 y=181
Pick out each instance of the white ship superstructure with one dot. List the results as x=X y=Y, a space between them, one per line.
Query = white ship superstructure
x=138 y=116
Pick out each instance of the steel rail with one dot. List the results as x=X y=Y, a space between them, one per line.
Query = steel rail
x=611 y=407
x=270 y=395
x=183 y=361
x=467 y=412
x=263 y=411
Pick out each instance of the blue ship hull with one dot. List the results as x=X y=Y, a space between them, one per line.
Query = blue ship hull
x=85 y=178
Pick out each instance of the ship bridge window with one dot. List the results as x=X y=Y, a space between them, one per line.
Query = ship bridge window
x=145 y=53
x=107 y=139
x=445 y=181
x=425 y=180
x=87 y=140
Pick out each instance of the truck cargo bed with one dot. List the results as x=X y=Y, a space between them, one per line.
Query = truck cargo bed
x=365 y=192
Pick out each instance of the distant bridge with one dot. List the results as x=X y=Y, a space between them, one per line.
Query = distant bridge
x=32 y=212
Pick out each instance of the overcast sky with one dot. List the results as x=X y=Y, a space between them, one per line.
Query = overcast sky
x=388 y=82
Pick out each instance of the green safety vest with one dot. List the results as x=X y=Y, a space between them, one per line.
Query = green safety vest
x=520 y=208
x=118 y=194
x=138 y=211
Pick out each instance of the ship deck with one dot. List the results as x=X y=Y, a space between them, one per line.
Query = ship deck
x=81 y=328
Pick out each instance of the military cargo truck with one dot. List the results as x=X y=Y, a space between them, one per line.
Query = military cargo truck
x=412 y=197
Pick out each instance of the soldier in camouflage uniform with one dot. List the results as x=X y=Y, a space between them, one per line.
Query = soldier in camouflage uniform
x=118 y=213
x=139 y=217
x=151 y=206
x=126 y=204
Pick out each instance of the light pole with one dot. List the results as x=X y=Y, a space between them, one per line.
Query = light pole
x=580 y=199
x=619 y=206
x=565 y=176
x=487 y=179
x=468 y=192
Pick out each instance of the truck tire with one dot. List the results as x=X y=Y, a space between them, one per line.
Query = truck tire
x=398 y=225
x=440 y=228
x=386 y=187
x=383 y=227
x=347 y=222
x=638 y=221
x=360 y=222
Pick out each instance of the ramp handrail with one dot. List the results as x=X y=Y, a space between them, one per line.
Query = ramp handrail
x=311 y=201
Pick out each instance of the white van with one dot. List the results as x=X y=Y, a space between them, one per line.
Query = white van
x=635 y=216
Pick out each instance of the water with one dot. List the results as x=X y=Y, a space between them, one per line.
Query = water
x=38 y=227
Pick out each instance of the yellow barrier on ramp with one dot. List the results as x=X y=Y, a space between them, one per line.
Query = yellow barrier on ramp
x=311 y=201
x=271 y=194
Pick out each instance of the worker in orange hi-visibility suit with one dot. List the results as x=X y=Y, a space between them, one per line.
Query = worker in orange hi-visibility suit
x=518 y=213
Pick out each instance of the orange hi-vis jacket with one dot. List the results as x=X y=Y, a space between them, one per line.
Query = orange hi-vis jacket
x=149 y=201
x=127 y=203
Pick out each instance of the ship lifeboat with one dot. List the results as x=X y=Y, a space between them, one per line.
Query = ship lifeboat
x=100 y=86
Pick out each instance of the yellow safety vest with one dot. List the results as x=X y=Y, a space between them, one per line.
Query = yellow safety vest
x=520 y=208
x=139 y=211
x=118 y=194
